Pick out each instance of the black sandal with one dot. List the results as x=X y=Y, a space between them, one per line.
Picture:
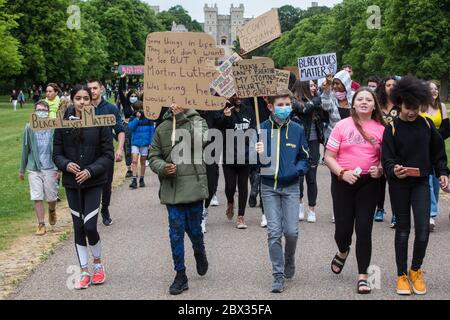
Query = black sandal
x=363 y=283
x=339 y=262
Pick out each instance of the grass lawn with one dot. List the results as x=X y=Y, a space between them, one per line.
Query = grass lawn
x=16 y=210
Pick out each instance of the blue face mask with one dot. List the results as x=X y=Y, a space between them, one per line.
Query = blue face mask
x=283 y=113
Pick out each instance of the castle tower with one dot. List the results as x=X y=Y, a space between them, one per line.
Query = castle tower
x=237 y=20
x=210 y=26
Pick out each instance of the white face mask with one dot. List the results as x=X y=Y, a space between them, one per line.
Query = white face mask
x=42 y=114
x=133 y=99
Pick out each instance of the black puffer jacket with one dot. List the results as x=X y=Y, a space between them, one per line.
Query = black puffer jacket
x=90 y=148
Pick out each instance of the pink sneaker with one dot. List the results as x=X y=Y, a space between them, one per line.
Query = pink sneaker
x=85 y=281
x=99 y=274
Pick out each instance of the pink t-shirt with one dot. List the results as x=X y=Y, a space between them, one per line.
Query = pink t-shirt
x=351 y=148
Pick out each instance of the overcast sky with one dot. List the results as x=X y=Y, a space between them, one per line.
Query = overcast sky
x=252 y=7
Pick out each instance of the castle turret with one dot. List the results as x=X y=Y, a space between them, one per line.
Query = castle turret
x=237 y=20
x=210 y=26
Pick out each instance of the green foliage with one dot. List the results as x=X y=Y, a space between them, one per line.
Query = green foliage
x=179 y=15
x=10 y=58
x=413 y=38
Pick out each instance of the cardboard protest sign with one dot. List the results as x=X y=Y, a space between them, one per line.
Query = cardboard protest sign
x=224 y=84
x=318 y=66
x=255 y=78
x=88 y=119
x=179 y=67
x=131 y=70
x=259 y=31
x=282 y=79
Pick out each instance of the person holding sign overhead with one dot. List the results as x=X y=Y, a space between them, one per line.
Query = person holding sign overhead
x=184 y=187
x=412 y=150
x=84 y=155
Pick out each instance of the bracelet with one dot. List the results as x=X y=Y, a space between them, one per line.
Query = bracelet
x=341 y=174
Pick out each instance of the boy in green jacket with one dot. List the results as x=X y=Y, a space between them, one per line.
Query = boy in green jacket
x=184 y=186
x=37 y=149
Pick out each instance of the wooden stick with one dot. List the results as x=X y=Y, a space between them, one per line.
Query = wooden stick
x=174 y=126
x=258 y=125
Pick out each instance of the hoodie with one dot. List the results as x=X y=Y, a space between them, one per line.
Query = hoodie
x=331 y=104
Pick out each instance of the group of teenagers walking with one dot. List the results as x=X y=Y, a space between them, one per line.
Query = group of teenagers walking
x=372 y=138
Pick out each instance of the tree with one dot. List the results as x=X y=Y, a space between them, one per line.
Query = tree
x=10 y=58
x=289 y=17
x=51 y=51
x=179 y=15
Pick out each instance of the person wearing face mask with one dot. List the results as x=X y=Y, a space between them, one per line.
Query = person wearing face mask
x=127 y=101
x=353 y=157
x=85 y=156
x=42 y=173
x=336 y=98
x=412 y=150
x=52 y=98
x=283 y=156
x=237 y=121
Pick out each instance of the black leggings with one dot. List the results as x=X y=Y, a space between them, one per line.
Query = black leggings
x=311 y=175
x=355 y=204
x=237 y=174
x=107 y=188
x=404 y=195
x=212 y=173
x=84 y=206
x=382 y=193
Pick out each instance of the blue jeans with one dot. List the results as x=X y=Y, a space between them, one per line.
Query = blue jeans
x=185 y=218
x=434 y=194
x=281 y=207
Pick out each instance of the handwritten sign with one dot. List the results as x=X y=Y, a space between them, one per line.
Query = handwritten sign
x=255 y=78
x=282 y=79
x=131 y=70
x=259 y=31
x=224 y=84
x=179 y=67
x=88 y=119
x=318 y=66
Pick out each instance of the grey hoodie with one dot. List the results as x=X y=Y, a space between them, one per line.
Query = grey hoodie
x=330 y=102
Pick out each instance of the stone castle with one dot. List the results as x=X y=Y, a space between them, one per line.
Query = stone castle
x=223 y=27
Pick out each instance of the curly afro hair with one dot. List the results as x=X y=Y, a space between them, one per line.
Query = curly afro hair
x=412 y=93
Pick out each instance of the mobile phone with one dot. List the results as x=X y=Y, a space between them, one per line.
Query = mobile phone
x=412 y=172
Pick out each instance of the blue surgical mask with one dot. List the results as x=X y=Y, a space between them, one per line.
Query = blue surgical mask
x=133 y=99
x=42 y=114
x=283 y=113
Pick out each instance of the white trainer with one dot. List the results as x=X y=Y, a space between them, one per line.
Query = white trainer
x=204 y=225
x=263 y=221
x=432 y=224
x=301 y=214
x=214 y=201
x=311 y=216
